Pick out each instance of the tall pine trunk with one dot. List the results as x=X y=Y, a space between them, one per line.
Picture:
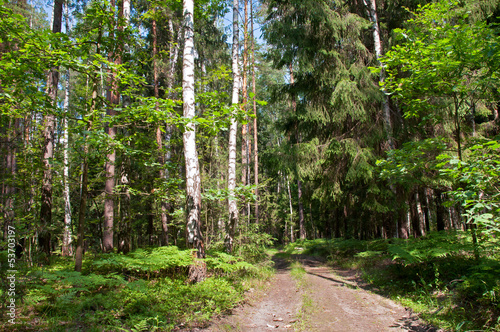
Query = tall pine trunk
x=113 y=97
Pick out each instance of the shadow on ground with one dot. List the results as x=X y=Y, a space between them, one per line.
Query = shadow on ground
x=339 y=277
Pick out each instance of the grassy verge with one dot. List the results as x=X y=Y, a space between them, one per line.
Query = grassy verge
x=298 y=273
x=436 y=276
x=146 y=290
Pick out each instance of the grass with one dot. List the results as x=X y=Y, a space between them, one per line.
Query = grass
x=298 y=273
x=436 y=276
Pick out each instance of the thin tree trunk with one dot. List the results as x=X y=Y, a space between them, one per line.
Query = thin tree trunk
x=302 y=230
x=44 y=237
x=113 y=97
x=244 y=126
x=371 y=9
x=159 y=136
x=457 y=125
x=255 y=138
x=291 y=209
x=440 y=211
x=81 y=213
x=403 y=219
x=231 y=185
x=193 y=181
x=420 y=212
x=67 y=248
x=85 y=168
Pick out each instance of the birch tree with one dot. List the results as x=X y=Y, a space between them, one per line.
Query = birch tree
x=193 y=180
x=231 y=179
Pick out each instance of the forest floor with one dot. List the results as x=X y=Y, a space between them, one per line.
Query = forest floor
x=323 y=298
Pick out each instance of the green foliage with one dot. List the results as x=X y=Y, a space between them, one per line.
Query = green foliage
x=477 y=181
x=415 y=164
x=157 y=261
x=442 y=55
x=251 y=245
x=225 y=264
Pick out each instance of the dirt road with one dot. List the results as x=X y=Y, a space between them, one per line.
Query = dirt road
x=323 y=299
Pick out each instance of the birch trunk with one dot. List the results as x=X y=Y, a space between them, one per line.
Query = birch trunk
x=371 y=9
x=67 y=247
x=193 y=181
x=231 y=180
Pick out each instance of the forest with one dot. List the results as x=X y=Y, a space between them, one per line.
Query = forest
x=157 y=156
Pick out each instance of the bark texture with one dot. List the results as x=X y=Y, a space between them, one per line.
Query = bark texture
x=193 y=180
x=231 y=179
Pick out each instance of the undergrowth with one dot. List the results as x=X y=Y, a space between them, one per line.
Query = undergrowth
x=145 y=290
x=437 y=275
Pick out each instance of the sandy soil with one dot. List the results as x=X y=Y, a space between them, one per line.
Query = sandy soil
x=328 y=299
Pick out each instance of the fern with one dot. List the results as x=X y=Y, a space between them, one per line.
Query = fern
x=222 y=263
x=145 y=261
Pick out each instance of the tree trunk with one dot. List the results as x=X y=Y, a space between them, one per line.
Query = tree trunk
x=244 y=126
x=85 y=168
x=44 y=237
x=67 y=247
x=81 y=213
x=231 y=179
x=420 y=212
x=291 y=210
x=255 y=138
x=193 y=181
x=159 y=138
x=440 y=211
x=302 y=230
x=371 y=9
x=403 y=218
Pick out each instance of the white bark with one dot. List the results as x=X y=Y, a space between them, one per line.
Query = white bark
x=193 y=181
x=371 y=9
x=126 y=12
x=67 y=240
x=231 y=185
